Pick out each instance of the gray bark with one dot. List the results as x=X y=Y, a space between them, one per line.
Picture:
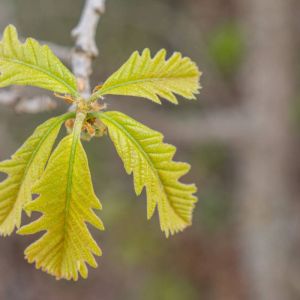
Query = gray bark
x=264 y=195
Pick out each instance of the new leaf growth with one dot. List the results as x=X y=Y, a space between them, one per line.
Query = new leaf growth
x=62 y=179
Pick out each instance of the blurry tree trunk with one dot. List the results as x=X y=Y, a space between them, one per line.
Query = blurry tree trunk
x=265 y=200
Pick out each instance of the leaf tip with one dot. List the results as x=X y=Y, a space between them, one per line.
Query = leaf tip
x=10 y=30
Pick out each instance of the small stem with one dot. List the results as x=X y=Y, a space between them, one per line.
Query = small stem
x=80 y=117
x=94 y=97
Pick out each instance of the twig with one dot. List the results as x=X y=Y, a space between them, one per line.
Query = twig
x=85 y=46
x=26 y=104
x=9 y=97
x=227 y=126
x=35 y=104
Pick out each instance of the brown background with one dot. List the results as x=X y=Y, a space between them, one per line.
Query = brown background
x=241 y=138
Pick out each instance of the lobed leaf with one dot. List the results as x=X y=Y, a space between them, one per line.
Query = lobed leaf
x=66 y=199
x=151 y=78
x=151 y=161
x=32 y=64
x=24 y=168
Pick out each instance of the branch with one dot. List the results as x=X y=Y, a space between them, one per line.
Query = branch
x=227 y=126
x=35 y=104
x=85 y=45
x=224 y=127
x=9 y=97
x=23 y=104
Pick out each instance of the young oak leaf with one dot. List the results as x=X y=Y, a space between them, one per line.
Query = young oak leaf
x=66 y=200
x=150 y=160
x=151 y=78
x=24 y=169
x=32 y=64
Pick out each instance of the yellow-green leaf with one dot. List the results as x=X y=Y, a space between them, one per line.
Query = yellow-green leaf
x=23 y=169
x=151 y=161
x=151 y=78
x=66 y=201
x=32 y=64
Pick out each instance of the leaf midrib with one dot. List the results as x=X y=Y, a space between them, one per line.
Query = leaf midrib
x=70 y=177
x=69 y=186
x=104 y=90
x=52 y=75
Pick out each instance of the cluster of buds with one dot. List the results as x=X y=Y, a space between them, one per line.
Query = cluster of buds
x=92 y=127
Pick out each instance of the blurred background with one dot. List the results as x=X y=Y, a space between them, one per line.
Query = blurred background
x=241 y=138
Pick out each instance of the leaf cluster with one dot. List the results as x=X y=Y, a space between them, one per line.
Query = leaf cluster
x=61 y=178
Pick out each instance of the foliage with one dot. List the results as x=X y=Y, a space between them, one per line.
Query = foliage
x=150 y=160
x=24 y=168
x=33 y=64
x=65 y=195
x=143 y=76
x=66 y=201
